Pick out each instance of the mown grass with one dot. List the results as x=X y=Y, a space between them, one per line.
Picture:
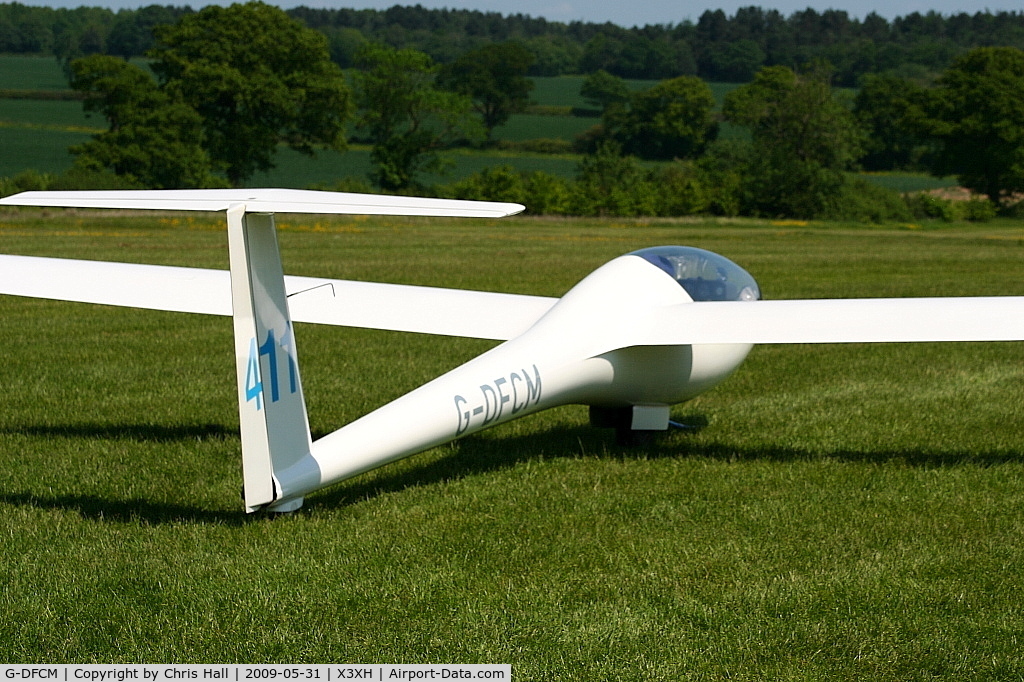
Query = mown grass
x=847 y=512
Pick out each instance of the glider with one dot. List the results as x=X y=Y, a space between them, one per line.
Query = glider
x=643 y=332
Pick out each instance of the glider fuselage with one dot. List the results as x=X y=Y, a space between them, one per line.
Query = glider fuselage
x=647 y=330
x=570 y=356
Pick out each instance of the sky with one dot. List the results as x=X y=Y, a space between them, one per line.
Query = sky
x=619 y=12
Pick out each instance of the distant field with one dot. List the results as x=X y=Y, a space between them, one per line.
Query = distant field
x=31 y=73
x=560 y=91
x=848 y=512
x=565 y=90
x=36 y=133
x=37 y=113
x=39 y=149
x=521 y=127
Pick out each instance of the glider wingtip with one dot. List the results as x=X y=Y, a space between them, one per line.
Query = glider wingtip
x=15 y=199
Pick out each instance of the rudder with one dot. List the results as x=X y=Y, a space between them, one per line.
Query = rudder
x=272 y=410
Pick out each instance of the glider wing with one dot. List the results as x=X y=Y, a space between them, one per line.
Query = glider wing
x=358 y=304
x=429 y=310
x=878 y=320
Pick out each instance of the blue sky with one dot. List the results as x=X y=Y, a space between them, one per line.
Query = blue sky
x=616 y=11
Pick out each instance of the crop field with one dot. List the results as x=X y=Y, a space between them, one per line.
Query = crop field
x=29 y=113
x=47 y=149
x=849 y=511
x=31 y=73
x=35 y=134
x=565 y=90
x=522 y=127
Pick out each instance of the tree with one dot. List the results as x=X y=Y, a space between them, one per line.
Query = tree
x=608 y=183
x=494 y=77
x=602 y=51
x=408 y=119
x=131 y=34
x=803 y=140
x=892 y=111
x=112 y=87
x=553 y=55
x=671 y=120
x=605 y=91
x=735 y=61
x=257 y=78
x=153 y=141
x=978 y=117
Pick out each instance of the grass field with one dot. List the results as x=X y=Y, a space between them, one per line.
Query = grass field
x=35 y=134
x=40 y=149
x=849 y=512
x=31 y=73
x=521 y=127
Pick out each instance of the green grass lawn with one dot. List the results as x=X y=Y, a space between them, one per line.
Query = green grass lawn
x=848 y=512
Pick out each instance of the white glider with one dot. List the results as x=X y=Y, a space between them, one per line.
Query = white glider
x=643 y=332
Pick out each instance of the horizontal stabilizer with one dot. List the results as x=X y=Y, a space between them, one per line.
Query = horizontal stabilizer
x=266 y=201
x=395 y=307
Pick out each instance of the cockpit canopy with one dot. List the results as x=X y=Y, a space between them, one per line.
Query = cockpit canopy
x=704 y=275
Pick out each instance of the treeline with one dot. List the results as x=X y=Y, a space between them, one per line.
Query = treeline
x=804 y=141
x=225 y=88
x=717 y=47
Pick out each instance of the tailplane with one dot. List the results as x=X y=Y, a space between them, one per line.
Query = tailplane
x=272 y=410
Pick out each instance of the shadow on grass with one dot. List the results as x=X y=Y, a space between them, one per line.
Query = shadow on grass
x=143 y=433
x=470 y=456
x=477 y=455
x=112 y=509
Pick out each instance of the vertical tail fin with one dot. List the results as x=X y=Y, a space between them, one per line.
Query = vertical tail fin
x=272 y=410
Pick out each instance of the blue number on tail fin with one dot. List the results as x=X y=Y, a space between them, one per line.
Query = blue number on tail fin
x=269 y=348
x=253 y=377
x=286 y=346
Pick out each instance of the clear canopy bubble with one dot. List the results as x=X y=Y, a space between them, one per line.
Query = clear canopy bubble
x=704 y=275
